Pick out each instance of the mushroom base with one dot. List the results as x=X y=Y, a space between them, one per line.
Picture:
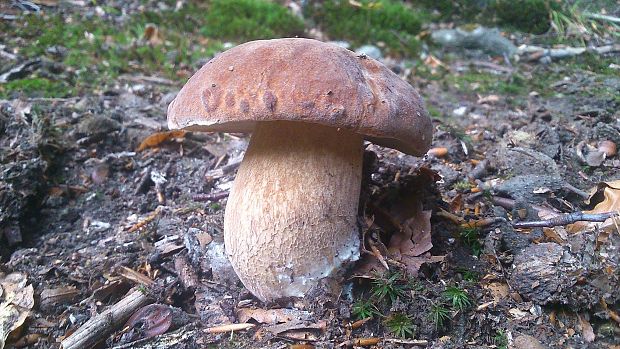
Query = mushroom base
x=291 y=217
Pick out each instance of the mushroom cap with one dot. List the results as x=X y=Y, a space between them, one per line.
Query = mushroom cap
x=303 y=80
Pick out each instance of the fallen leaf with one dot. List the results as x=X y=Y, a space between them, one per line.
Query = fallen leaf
x=299 y=330
x=499 y=291
x=59 y=295
x=433 y=62
x=151 y=35
x=517 y=313
x=490 y=99
x=586 y=329
x=607 y=196
x=16 y=302
x=272 y=316
x=150 y=321
x=158 y=138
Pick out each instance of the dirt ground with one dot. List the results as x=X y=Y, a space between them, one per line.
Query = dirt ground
x=98 y=201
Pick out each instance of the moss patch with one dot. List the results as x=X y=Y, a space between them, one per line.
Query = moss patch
x=531 y=16
x=244 y=20
x=388 y=22
x=487 y=83
x=35 y=87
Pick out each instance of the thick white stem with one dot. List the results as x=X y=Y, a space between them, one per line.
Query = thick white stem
x=291 y=218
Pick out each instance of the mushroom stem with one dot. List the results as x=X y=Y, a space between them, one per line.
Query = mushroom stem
x=291 y=218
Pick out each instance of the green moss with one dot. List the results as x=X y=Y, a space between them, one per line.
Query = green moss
x=250 y=19
x=488 y=83
x=35 y=87
x=96 y=51
x=531 y=16
x=386 y=21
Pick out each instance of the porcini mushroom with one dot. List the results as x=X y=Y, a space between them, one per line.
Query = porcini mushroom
x=291 y=217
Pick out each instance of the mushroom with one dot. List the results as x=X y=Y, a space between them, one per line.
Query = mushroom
x=291 y=217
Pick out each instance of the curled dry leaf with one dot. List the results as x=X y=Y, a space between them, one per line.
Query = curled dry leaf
x=411 y=244
x=158 y=138
x=607 y=194
x=16 y=302
x=150 y=321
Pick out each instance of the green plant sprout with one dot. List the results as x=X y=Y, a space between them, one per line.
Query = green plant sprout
x=439 y=314
x=400 y=325
x=364 y=308
x=388 y=288
x=457 y=298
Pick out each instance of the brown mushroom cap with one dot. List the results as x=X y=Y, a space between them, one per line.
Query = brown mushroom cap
x=303 y=80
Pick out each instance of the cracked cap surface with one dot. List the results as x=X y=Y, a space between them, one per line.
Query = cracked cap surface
x=303 y=80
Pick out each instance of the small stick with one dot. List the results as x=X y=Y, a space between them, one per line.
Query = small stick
x=146 y=221
x=211 y=196
x=419 y=342
x=509 y=204
x=360 y=342
x=359 y=323
x=377 y=254
x=567 y=218
x=229 y=328
x=102 y=325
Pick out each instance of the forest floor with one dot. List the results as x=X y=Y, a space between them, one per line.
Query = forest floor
x=99 y=200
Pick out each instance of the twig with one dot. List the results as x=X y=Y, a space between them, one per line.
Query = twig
x=534 y=53
x=150 y=79
x=510 y=204
x=577 y=191
x=602 y=17
x=101 y=325
x=210 y=197
x=419 y=342
x=567 y=218
x=360 y=342
x=145 y=221
x=229 y=328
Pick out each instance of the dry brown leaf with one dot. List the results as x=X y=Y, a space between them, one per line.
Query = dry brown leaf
x=134 y=276
x=16 y=302
x=272 y=316
x=609 y=195
x=150 y=321
x=59 y=295
x=586 y=329
x=490 y=99
x=298 y=330
x=433 y=62
x=499 y=291
x=555 y=234
x=158 y=138
x=151 y=35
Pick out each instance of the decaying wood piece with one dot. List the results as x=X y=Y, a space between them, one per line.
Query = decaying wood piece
x=291 y=215
x=184 y=337
x=533 y=53
x=100 y=326
x=567 y=218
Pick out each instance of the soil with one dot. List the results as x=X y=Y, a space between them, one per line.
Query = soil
x=86 y=216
